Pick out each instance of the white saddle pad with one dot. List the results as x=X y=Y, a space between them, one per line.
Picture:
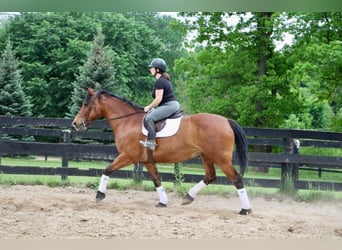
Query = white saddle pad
x=171 y=128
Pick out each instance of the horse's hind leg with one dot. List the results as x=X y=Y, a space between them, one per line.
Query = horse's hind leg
x=153 y=171
x=245 y=204
x=210 y=176
x=237 y=181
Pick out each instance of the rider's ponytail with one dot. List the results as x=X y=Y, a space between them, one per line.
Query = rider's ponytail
x=166 y=75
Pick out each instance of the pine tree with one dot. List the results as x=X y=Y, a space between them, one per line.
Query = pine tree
x=98 y=73
x=12 y=96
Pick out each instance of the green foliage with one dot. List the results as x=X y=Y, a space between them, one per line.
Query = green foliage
x=316 y=75
x=245 y=78
x=179 y=176
x=336 y=121
x=321 y=151
x=301 y=122
x=98 y=73
x=236 y=75
x=45 y=45
x=232 y=66
x=288 y=188
x=224 y=82
x=211 y=75
x=53 y=47
x=12 y=97
x=315 y=67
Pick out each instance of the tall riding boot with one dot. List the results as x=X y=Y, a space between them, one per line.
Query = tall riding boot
x=151 y=137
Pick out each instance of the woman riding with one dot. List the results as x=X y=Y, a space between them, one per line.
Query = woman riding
x=164 y=102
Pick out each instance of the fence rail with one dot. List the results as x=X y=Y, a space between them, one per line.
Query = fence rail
x=26 y=135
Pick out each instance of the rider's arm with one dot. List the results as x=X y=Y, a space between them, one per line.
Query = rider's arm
x=156 y=100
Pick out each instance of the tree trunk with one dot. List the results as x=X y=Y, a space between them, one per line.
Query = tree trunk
x=264 y=50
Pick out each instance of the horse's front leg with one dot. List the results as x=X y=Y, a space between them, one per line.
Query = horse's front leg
x=153 y=171
x=210 y=176
x=119 y=162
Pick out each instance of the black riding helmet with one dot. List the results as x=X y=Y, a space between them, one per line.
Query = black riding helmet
x=158 y=63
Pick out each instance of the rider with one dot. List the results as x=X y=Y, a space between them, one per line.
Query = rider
x=164 y=102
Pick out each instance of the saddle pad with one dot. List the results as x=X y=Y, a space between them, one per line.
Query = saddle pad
x=171 y=128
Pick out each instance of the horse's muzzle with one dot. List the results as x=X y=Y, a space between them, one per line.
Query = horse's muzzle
x=79 y=125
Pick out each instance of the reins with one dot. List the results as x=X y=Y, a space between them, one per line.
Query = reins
x=109 y=119
x=117 y=118
x=124 y=116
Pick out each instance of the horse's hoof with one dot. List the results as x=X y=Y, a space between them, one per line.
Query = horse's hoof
x=187 y=199
x=161 y=205
x=245 y=211
x=100 y=196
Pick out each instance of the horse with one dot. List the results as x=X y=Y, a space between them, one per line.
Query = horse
x=210 y=136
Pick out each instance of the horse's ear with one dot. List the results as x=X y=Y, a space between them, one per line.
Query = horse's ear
x=91 y=91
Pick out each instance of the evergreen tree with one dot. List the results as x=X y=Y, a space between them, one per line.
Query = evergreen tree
x=12 y=97
x=98 y=72
x=52 y=46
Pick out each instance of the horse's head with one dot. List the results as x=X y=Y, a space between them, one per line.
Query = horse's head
x=88 y=111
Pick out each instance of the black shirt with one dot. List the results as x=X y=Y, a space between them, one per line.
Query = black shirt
x=166 y=85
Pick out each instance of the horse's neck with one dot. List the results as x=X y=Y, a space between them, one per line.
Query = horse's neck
x=118 y=115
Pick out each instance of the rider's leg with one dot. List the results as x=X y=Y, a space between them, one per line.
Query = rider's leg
x=155 y=115
x=151 y=137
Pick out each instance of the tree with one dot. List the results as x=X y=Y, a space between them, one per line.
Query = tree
x=240 y=68
x=13 y=100
x=98 y=73
x=301 y=82
x=212 y=78
x=168 y=35
x=316 y=73
x=52 y=46
x=238 y=73
x=315 y=67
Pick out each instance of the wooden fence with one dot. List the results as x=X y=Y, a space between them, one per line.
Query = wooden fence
x=29 y=136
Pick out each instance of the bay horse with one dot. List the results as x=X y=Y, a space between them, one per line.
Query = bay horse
x=210 y=136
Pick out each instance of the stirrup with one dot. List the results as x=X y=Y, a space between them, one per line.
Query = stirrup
x=148 y=144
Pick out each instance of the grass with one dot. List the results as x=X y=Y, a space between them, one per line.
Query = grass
x=321 y=151
x=123 y=184
x=274 y=173
x=50 y=162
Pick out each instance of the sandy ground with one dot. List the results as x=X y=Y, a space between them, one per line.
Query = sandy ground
x=40 y=212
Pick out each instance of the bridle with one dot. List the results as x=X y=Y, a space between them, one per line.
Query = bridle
x=85 y=116
x=93 y=106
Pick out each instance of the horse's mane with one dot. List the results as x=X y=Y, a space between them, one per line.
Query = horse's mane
x=132 y=104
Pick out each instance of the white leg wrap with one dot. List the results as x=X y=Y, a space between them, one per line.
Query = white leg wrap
x=244 y=199
x=162 y=195
x=195 y=189
x=103 y=183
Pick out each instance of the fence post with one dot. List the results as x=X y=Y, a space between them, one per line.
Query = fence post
x=319 y=172
x=295 y=166
x=0 y=139
x=138 y=172
x=65 y=158
x=289 y=171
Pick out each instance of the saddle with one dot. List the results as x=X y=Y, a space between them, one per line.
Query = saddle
x=159 y=125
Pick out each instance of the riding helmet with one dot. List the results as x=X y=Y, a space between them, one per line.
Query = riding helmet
x=158 y=63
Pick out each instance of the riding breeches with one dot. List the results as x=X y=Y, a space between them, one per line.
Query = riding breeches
x=163 y=111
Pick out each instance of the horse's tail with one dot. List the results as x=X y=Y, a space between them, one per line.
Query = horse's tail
x=241 y=145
